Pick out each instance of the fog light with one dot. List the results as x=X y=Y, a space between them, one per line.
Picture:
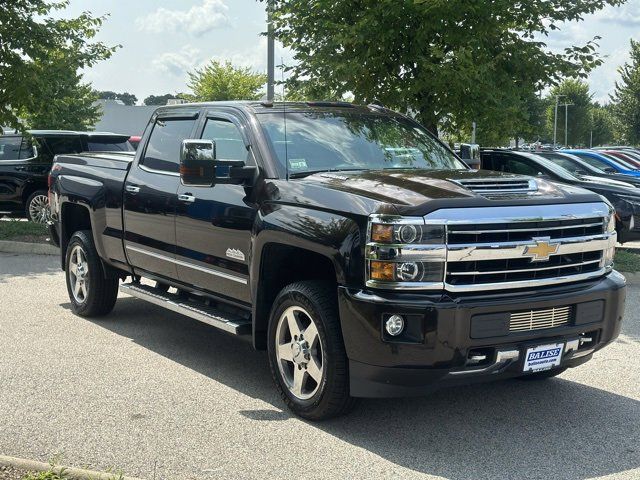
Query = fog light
x=394 y=325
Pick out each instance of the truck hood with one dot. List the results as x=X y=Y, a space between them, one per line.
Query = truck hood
x=418 y=192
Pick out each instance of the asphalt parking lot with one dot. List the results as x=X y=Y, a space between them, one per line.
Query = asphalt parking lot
x=161 y=396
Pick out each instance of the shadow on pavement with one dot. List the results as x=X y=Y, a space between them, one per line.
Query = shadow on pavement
x=18 y=265
x=554 y=429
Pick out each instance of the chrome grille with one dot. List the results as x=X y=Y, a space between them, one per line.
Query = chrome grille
x=540 y=319
x=495 y=248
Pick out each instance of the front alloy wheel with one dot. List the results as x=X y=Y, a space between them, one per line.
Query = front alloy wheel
x=307 y=357
x=300 y=354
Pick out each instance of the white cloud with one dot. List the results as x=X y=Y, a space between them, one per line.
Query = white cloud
x=198 y=20
x=627 y=15
x=178 y=63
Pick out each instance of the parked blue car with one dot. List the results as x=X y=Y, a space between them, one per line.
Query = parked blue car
x=605 y=162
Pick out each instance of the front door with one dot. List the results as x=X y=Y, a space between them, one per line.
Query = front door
x=150 y=198
x=213 y=224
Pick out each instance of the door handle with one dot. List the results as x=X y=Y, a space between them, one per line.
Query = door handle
x=186 y=197
x=132 y=189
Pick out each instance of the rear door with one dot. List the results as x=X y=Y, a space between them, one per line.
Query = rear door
x=213 y=224
x=150 y=197
x=17 y=166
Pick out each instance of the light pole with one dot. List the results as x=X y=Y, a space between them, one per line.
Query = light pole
x=270 y=53
x=566 y=124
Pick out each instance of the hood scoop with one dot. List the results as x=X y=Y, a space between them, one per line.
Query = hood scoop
x=493 y=187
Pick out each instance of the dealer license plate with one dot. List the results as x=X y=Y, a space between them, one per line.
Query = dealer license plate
x=543 y=357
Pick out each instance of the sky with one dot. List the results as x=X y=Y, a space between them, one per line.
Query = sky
x=164 y=39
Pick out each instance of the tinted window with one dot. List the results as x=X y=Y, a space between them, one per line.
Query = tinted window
x=108 y=144
x=60 y=145
x=229 y=142
x=514 y=165
x=318 y=141
x=15 y=148
x=163 y=149
x=593 y=161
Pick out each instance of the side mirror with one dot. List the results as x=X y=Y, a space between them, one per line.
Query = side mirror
x=610 y=170
x=197 y=162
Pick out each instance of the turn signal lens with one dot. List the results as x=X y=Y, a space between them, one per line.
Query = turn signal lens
x=382 y=233
x=384 y=271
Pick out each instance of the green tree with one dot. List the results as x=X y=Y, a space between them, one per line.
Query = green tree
x=126 y=98
x=576 y=94
x=30 y=40
x=449 y=61
x=159 y=99
x=223 y=81
x=626 y=99
x=602 y=126
x=63 y=100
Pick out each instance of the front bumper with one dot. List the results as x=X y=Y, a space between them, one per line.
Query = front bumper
x=445 y=335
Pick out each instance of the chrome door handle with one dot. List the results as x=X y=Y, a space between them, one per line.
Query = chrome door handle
x=132 y=189
x=186 y=198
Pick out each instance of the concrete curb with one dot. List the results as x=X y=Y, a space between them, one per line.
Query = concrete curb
x=633 y=278
x=72 y=473
x=7 y=246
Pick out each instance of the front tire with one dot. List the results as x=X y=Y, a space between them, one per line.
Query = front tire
x=92 y=293
x=306 y=353
x=37 y=208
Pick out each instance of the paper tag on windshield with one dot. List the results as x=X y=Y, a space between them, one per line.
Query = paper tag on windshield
x=297 y=163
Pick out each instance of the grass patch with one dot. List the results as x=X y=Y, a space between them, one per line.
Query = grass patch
x=627 y=261
x=23 y=231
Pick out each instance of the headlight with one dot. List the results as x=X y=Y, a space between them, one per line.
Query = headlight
x=404 y=252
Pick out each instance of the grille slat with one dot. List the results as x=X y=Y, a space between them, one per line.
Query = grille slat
x=540 y=319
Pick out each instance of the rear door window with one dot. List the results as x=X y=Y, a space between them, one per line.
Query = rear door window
x=163 y=149
x=15 y=148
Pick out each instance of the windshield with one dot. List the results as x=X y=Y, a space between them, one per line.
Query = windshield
x=576 y=167
x=621 y=161
x=323 y=141
x=109 y=144
x=15 y=148
x=601 y=163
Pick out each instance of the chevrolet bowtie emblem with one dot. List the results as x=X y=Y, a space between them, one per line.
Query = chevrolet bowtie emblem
x=541 y=251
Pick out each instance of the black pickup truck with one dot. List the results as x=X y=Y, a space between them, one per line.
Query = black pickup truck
x=347 y=241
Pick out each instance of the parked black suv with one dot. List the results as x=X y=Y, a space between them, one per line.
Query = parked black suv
x=25 y=162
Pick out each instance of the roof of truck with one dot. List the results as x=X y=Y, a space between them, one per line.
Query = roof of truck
x=264 y=106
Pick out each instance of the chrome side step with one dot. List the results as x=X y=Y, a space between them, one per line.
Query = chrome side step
x=210 y=315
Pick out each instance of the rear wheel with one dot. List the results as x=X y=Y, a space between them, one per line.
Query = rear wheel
x=306 y=352
x=37 y=208
x=92 y=293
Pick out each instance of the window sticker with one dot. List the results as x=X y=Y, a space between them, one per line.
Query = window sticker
x=297 y=163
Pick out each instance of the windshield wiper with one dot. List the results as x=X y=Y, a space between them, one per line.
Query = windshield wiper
x=326 y=170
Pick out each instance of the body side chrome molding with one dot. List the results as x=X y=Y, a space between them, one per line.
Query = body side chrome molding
x=188 y=265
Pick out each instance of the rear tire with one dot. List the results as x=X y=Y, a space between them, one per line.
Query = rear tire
x=554 y=372
x=306 y=352
x=92 y=293
x=37 y=207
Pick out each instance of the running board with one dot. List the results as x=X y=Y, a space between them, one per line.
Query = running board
x=210 y=315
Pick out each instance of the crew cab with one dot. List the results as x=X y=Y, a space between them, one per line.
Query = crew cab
x=347 y=241
x=25 y=161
